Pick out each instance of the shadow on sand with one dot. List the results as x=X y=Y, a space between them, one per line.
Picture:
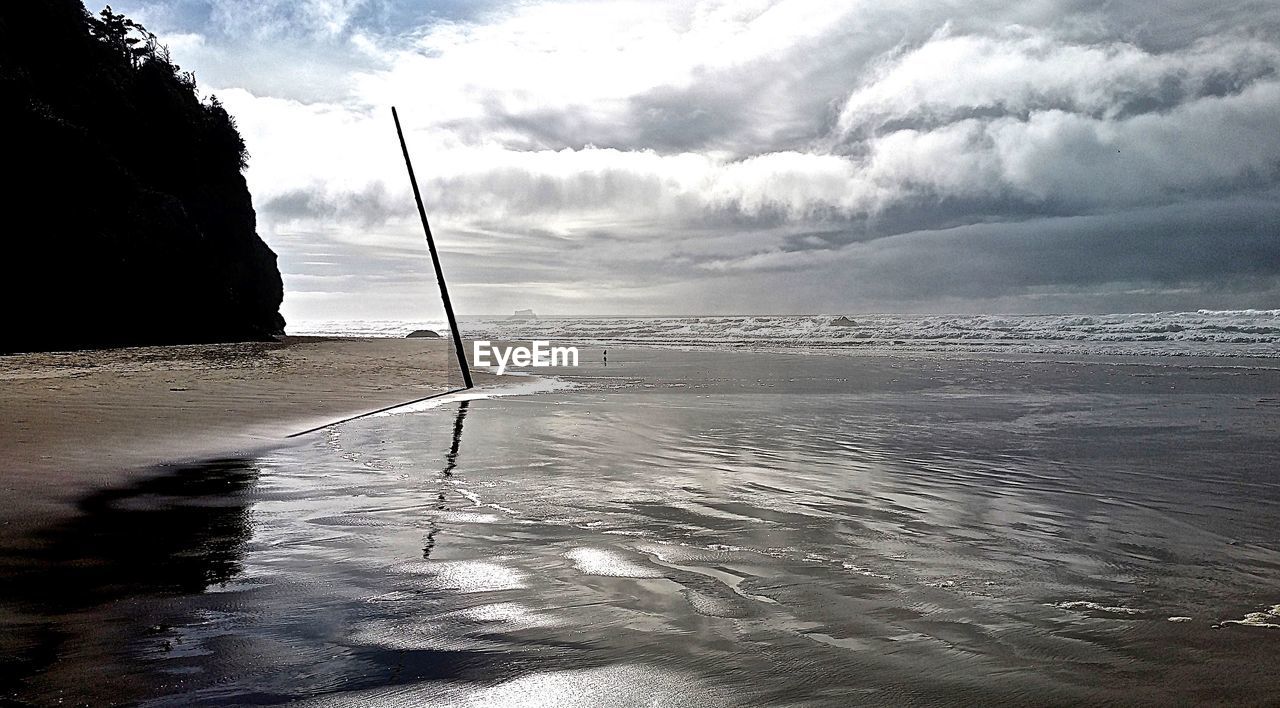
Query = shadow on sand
x=78 y=593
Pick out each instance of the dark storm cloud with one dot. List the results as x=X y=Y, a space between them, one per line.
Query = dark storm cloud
x=1222 y=254
x=1226 y=241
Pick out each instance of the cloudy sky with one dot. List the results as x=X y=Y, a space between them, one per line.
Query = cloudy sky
x=759 y=156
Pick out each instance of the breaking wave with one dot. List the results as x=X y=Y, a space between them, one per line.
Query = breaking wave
x=1244 y=333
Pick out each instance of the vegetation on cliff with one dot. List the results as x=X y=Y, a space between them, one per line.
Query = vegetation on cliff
x=126 y=219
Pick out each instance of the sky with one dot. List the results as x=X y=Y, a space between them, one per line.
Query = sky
x=753 y=157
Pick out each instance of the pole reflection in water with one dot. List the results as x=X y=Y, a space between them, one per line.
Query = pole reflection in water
x=452 y=458
x=451 y=463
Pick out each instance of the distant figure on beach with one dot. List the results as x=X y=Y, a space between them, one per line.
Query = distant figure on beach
x=606 y=357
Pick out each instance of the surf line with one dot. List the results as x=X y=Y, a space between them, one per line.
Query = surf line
x=435 y=257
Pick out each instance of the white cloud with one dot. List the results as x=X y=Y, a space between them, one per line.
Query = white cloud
x=600 y=138
x=1021 y=70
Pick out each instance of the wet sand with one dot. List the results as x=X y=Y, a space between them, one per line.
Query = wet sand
x=75 y=422
x=696 y=528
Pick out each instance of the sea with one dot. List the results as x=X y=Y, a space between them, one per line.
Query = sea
x=729 y=511
x=1230 y=333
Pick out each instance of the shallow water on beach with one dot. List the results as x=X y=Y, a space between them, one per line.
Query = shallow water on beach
x=713 y=529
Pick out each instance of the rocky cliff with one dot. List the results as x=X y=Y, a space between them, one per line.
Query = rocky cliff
x=126 y=219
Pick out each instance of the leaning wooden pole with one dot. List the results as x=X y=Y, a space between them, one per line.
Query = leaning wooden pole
x=435 y=258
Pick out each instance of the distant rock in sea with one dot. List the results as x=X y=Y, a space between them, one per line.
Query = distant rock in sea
x=843 y=321
x=127 y=217
x=523 y=315
x=423 y=334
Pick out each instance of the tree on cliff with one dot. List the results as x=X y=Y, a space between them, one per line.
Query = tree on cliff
x=127 y=219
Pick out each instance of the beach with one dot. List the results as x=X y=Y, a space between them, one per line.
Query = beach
x=74 y=422
x=790 y=354
x=699 y=528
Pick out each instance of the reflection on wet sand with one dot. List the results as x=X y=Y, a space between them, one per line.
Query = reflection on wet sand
x=817 y=550
x=77 y=600
x=452 y=458
x=334 y=598
x=957 y=546
x=451 y=463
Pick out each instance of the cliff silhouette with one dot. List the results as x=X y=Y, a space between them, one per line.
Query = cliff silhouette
x=126 y=219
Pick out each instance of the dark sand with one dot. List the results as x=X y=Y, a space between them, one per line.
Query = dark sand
x=74 y=422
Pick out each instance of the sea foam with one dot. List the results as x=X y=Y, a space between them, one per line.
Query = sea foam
x=1247 y=333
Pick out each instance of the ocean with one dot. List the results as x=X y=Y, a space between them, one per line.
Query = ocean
x=1027 y=510
x=1243 y=333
